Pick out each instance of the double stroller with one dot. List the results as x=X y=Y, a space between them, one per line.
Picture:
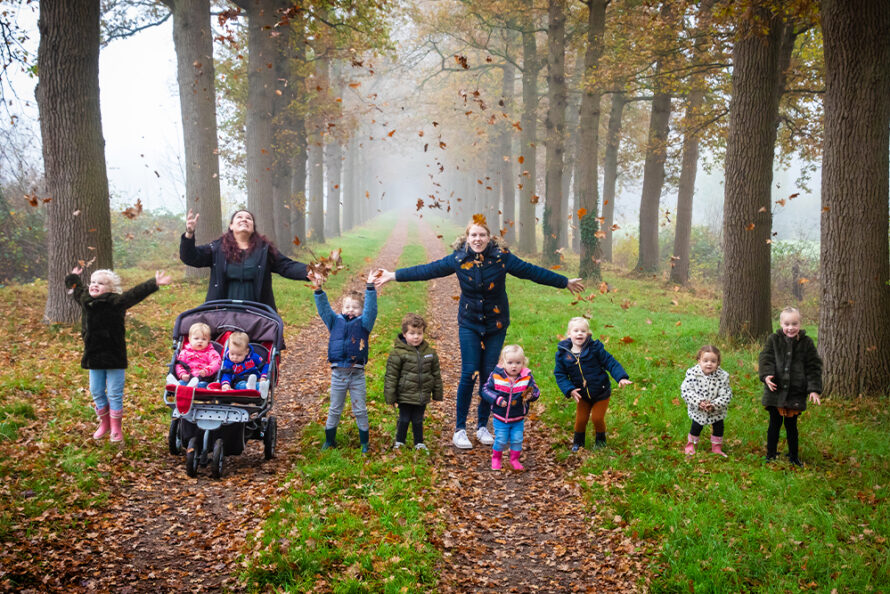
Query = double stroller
x=212 y=423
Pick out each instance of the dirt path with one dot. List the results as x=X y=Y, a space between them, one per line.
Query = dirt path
x=170 y=533
x=511 y=531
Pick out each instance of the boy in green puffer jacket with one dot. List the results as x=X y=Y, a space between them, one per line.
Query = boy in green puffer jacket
x=412 y=379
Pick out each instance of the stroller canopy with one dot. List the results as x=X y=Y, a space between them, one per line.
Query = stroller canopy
x=259 y=321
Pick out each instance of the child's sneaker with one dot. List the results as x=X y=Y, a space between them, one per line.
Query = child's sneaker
x=251 y=382
x=398 y=445
x=421 y=446
x=263 y=387
x=171 y=379
x=193 y=382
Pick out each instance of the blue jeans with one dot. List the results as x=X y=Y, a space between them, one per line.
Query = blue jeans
x=199 y=384
x=508 y=434
x=476 y=361
x=107 y=388
x=352 y=379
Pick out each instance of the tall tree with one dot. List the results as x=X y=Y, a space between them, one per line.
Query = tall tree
x=588 y=148
x=747 y=216
x=555 y=125
x=854 y=337
x=317 y=132
x=195 y=73
x=610 y=171
x=528 y=152
x=505 y=141
x=656 y=153
x=334 y=160
x=689 y=160
x=78 y=216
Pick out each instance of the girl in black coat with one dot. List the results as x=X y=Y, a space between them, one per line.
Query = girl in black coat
x=790 y=368
x=105 y=347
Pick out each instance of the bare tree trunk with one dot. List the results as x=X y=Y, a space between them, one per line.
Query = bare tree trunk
x=506 y=179
x=747 y=218
x=569 y=175
x=316 y=150
x=653 y=177
x=555 y=124
x=262 y=51
x=689 y=165
x=854 y=336
x=334 y=160
x=528 y=198
x=283 y=123
x=298 y=190
x=610 y=171
x=193 y=40
x=78 y=217
x=588 y=144
x=350 y=190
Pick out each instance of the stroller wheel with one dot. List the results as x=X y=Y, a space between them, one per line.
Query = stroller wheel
x=216 y=469
x=191 y=457
x=270 y=438
x=174 y=442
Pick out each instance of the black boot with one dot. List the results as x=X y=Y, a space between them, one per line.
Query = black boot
x=600 y=441
x=365 y=439
x=578 y=441
x=330 y=438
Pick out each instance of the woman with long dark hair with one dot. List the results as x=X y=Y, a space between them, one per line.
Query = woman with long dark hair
x=241 y=261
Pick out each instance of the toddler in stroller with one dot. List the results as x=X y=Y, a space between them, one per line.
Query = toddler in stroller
x=213 y=422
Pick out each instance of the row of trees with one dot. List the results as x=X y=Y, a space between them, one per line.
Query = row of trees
x=749 y=76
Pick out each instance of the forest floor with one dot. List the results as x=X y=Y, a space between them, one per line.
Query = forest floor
x=507 y=531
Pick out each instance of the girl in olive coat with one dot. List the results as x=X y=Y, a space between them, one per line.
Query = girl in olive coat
x=413 y=378
x=790 y=368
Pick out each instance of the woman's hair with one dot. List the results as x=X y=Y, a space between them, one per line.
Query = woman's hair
x=112 y=277
x=412 y=320
x=477 y=221
x=578 y=320
x=202 y=327
x=230 y=247
x=239 y=340
x=513 y=348
x=708 y=348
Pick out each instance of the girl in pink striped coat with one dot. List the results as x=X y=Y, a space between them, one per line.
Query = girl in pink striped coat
x=509 y=389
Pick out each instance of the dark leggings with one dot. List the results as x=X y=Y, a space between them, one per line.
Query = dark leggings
x=772 y=434
x=716 y=429
x=410 y=414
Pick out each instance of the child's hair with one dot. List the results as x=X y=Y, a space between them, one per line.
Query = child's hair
x=579 y=320
x=709 y=348
x=355 y=296
x=789 y=310
x=202 y=327
x=513 y=348
x=239 y=340
x=112 y=277
x=414 y=321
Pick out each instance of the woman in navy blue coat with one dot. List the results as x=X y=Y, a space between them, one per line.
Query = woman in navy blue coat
x=481 y=265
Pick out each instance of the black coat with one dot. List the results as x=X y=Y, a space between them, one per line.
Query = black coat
x=211 y=254
x=102 y=322
x=796 y=369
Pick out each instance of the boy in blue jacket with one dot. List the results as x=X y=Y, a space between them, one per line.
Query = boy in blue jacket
x=348 y=355
x=581 y=366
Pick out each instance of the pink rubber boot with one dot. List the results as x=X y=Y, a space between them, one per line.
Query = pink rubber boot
x=690 y=444
x=116 y=433
x=496 y=459
x=514 y=460
x=104 y=424
x=717 y=446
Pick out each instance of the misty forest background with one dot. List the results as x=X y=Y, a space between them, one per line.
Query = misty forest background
x=540 y=115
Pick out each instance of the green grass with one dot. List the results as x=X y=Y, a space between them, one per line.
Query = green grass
x=348 y=522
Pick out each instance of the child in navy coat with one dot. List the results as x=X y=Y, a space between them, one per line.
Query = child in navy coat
x=581 y=366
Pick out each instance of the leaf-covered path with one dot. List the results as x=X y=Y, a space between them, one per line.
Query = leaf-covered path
x=164 y=532
x=515 y=531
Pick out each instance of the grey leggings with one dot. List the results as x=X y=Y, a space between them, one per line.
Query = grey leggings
x=352 y=379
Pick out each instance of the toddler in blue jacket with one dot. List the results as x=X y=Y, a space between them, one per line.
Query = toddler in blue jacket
x=348 y=355
x=581 y=370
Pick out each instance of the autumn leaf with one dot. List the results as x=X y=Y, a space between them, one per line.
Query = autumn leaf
x=467 y=265
x=599 y=234
x=455 y=297
x=625 y=304
x=749 y=227
x=521 y=159
x=390 y=133
x=499 y=325
x=517 y=126
x=615 y=227
x=479 y=219
x=496 y=309
x=462 y=61
x=604 y=287
x=556 y=267
x=296 y=240
x=491 y=286
x=581 y=213
x=442 y=145
x=627 y=340
x=803 y=281
x=323 y=267
x=133 y=211
x=793 y=196
x=419 y=203
x=355 y=85
x=534 y=199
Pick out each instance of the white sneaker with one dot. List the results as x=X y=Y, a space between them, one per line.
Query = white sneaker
x=397 y=445
x=193 y=382
x=171 y=379
x=264 y=388
x=421 y=446
x=251 y=382
x=460 y=440
x=484 y=436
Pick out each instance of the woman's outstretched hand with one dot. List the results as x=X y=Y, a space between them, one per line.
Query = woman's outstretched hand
x=575 y=285
x=191 y=222
x=162 y=278
x=384 y=277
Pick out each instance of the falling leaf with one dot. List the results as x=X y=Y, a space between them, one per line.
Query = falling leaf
x=467 y=265
x=133 y=211
x=442 y=145
x=419 y=203
x=521 y=159
x=76 y=212
x=390 y=133
x=599 y=234
x=604 y=287
x=534 y=199
x=479 y=219
x=499 y=325
x=615 y=227
x=803 y=281
x=556 y=267
x=296 y=240
x=581 y=213
x=323 y=267
x=761 y=209
x=491 y=286
x=793 y=196
x=826 y=208
x=496 y=309
x=455 y=297
x=462 y=61
x=749 y=227
x=355 y=85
